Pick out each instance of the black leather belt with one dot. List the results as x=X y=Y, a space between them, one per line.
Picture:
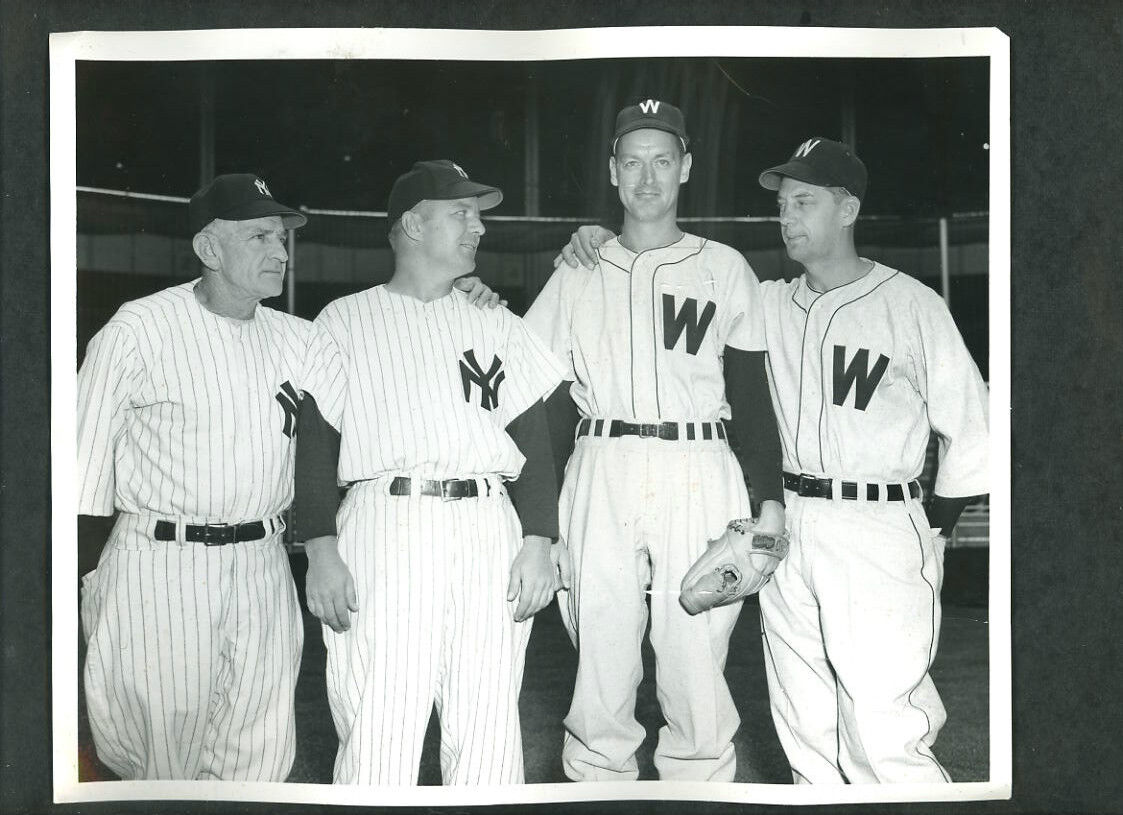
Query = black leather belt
x=810 y=486
x=451 y=488
x=668 y=431
x=211 y=534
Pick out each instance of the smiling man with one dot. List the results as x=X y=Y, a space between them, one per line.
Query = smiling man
x=663 y=343
x=429 y=412
x=186 y=421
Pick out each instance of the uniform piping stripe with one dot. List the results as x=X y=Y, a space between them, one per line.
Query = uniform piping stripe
x=655 y=322
x=931 y=641
x=822 y=366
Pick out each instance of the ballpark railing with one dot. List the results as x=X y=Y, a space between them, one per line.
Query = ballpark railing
x=131 y=244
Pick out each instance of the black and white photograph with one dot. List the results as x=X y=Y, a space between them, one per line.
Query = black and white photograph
x=500 y=417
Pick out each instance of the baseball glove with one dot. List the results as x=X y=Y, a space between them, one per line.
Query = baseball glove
x=734 y=566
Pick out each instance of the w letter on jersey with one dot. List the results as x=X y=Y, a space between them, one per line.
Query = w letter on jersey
x=488 y=381
x=687 y=317
x=857 y=373
x=289 y=399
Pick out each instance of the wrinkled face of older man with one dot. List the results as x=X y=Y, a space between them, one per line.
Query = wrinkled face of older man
x=249 y=257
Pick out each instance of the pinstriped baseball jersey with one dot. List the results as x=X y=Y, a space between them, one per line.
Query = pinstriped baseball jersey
x=861 y=373
x=425 y=389
x=185 y=417
x=643 y=334
x=185 y=413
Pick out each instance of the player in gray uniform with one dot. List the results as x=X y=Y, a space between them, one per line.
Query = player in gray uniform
x=186 y=420
x=426 y=576
x=864 y=363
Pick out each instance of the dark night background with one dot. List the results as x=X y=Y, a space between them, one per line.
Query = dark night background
x=1067 y=365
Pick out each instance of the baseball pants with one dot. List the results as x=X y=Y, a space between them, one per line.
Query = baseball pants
x=851 y=621
x=433 y=626
x=193 y=654
x=637 y=513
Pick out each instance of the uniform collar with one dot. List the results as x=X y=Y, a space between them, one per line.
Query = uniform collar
x=619 y=256
x=804 y=295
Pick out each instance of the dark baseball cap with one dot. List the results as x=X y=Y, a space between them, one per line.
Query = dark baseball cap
x=824 y=163
x=653 y=114
x=238 y=197
x=437 y=180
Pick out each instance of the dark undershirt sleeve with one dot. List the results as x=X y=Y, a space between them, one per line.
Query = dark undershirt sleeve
x=562 y=416
x=535 y=492
x=317 y=461
x=943 y=513
x=755 y=439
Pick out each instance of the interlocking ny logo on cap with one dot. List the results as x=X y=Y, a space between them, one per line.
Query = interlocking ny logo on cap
x=806 y=148
x=261 y=188
x=458 y=169
x=649 y=106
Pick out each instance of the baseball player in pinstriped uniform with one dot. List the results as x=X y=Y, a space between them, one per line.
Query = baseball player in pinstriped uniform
x=864 y=361
x=430 y=413
x=186 y=417
x=664 y=345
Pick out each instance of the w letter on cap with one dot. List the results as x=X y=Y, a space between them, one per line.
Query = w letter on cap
x=459 y=169
x=649 y=106
x=261 y=188
x=806 y=148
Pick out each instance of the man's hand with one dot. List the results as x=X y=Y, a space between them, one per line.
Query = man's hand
x=583 y=245
x=533 y=576
x=771 y=520
x=563 y=566
x=329 y=586
x=479 y=294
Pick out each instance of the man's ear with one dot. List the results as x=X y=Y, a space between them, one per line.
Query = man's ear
x=612 y=171
x=206 y=249
x=411 y=224
x=684 y=173
x=851 y=206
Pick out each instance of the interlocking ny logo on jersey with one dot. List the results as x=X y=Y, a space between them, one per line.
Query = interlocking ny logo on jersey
x=649 y=106
x=687 y=318
x=488 y=381
x=261 y=188
x=857 y=375
x=806 y=148
x=290 y=400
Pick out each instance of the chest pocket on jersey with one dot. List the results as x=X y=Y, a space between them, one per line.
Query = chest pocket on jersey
x=687 y=319
x=856 y=374
x=488 y=381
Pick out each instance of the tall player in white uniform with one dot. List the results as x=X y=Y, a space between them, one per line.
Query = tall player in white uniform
x=664 y=345
x=186 y=418
x=864 y=363
x=430 y=412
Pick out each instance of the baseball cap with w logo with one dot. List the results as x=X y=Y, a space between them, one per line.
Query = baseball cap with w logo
x=439 y=180
x=824 y=163
x=653 y=114
x=238 y=197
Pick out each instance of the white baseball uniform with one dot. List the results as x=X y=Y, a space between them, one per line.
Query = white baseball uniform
x=186 y=418
x=425 y=390
x=860 y=375
x=643 y=336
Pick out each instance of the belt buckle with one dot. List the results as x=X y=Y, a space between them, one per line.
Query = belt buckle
x=808 y=486
x=208 y=541
x=648 y=431
x=446 y=488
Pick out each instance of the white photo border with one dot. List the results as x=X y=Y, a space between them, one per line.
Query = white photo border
x=531 y=46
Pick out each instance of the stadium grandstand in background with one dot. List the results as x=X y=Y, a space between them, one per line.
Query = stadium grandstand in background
x=132 y=244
